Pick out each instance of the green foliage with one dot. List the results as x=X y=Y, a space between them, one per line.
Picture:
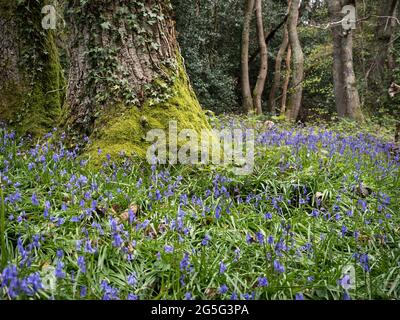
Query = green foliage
x=209 y=35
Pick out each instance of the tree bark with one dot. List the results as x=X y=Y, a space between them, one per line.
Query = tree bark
x=295 y=99
x=245 y=78
x=350 y=84
x=262 y=75
x=126 y=74
x=31 y=78
x=346 y=93
x=334 y=8
x=278 y=75
x=285 y=87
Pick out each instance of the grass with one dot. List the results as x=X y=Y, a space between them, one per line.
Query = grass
x=319 y=200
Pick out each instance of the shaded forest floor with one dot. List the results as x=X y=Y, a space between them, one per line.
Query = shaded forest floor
x=321 y=200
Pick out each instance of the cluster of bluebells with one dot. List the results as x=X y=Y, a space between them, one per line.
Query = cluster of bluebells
x=14 y=285
x=219 y=225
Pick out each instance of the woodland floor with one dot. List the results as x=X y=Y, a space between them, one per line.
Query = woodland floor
x=321 y=199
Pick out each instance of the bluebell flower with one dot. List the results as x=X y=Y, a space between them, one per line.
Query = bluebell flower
x=59 y=272
x=185 y=263
x=117 y=240
x=346 y=296
x=218 y=211
x=83 y=292
x=133 y=297
x=182 y=280
x=82 y=264
x=110 y=293
x=132 y=280
x=168 y=249
x=248 y=296
x=222 y=267
x=364 y=261
x=188 y=296
x=223 y=289
x=34 y=199
x=350 y=213
x=268 y=216
x=205 y=240
x=278 y=266
x=344 y=230
x=345 y=282
x=315 y=213
x=262 y=281
x=299 y=296
x=60 y=253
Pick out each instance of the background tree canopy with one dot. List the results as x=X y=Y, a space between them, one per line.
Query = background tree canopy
x=210 y=37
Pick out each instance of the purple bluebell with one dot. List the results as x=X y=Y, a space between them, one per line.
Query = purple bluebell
x=222 y=267
x=82 y=264
x=223 y=289
x=262 y=282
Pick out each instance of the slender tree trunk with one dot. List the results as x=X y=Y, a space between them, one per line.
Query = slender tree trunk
x=353 y=99
x=278 y=75
x=262 y=75
x=334 y=8
x=31 y=79
x=295 y=99
x=245 y=79
x=285 y=87
x=346 y=93
x=126 y=75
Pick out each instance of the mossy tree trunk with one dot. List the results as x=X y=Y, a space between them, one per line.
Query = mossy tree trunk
x=31 y=79
x=126 y=74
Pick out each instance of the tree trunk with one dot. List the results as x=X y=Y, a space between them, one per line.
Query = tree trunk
x=245 y=79
x=285 y=87
x=350 y=84
x=126 y=75
x=346 y=93
x=278 y=75
x=295 y=99
x=31 y=78
x=262 y=75
x=334 y=8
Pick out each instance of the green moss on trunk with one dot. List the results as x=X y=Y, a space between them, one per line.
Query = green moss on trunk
x=126 y=132
x=31 y=103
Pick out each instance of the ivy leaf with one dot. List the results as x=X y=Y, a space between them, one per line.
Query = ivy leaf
x=106 y=25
